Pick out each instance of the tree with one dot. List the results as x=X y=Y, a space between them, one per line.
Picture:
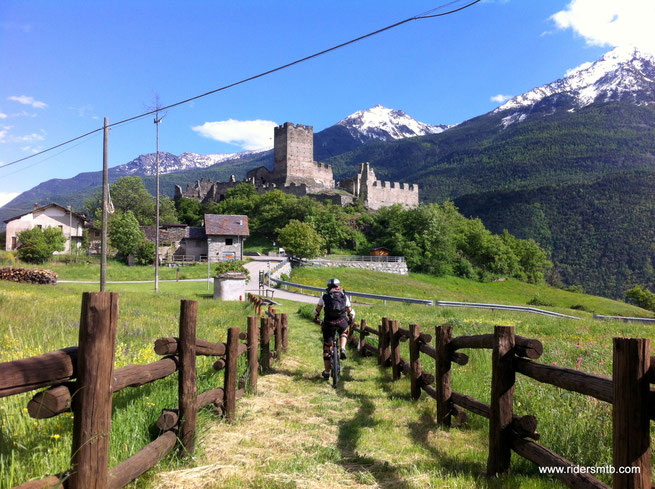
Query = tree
x=301 y=240
x=641 y=297
x=189 y=211
x=129 y=194
x=37 y=245
x=124 y=233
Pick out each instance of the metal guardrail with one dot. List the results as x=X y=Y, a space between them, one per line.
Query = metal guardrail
x=384 y=298
x=503 y=307
x=372 y=258
x=601 y=317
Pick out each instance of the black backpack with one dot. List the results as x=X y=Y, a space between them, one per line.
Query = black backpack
x=335 y=304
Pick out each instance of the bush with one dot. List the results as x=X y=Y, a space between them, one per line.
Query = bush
x=37 y=245
x=464 y=269
x=144 y=252
x=7 y=258
x=641 y=297
x=575 y=288
x=538 y=301
x=231 y=266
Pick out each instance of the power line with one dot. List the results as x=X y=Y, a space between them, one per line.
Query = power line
x=426 y=15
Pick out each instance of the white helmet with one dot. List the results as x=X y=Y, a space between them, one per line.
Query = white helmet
x=333 y=283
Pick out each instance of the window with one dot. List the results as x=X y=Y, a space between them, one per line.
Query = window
x=39 y=226
x=13 y=242
x=229 y=241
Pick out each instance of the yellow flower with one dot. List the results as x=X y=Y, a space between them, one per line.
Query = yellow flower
x=56 y=437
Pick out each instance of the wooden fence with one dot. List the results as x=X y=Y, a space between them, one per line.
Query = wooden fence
x=82 y=379
x=628 y=391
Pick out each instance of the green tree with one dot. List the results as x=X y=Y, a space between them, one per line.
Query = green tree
x=124 y=233
x=642 y=297
x=330 y=222
x=37 y=245
x=189 y=211
x=301 y=240
x=144 y=252
x=129 y=194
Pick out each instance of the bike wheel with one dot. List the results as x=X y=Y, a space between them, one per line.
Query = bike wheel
x=335 y=365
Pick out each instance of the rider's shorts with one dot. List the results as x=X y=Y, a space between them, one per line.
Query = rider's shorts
x=330 y=325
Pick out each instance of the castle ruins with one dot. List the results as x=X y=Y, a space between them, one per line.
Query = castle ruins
x=295 y=172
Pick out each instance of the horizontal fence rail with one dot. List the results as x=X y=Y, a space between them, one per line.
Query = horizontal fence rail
x=408 y=300
x=82 y=380
x=371 y=258
x=628 y=391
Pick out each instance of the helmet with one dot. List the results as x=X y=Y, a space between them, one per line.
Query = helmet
x=332 y=283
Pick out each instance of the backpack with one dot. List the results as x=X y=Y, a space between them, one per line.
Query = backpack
x=335 y=304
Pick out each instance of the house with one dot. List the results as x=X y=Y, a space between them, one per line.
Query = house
x=225 y=236
x=71 y=223
x=222 y=235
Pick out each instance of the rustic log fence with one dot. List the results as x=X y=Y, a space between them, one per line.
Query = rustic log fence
x=628 y=391
x=82 y=379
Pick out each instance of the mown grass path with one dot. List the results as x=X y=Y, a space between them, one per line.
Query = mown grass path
x=299 y=432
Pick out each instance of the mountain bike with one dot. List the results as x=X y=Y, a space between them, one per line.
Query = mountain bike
x=335 y=358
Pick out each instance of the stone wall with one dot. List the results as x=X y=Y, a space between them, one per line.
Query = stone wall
x=382 y=194
x=399 y=268
x=217 y=246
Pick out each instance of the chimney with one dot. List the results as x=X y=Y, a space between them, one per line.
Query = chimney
x=36 y=205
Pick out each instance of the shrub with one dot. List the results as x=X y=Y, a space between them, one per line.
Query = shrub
x=231 y=266
x=37 y=245
x=7 y=258
x=641 y=297
x=538 y=301
x=144 y=252
x=575 y=288
x=464 y=269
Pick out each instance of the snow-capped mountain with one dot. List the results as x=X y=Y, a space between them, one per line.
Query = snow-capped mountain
x=623 y=74
x=145 y=165
x=380 y=123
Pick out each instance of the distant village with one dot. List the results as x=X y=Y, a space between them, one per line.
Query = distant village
x=221 y=237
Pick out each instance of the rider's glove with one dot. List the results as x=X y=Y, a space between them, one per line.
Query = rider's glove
x=352 y=314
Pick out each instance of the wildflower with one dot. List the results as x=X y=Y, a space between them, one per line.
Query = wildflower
x=577 y=365
x=56 y=437
x=555 y=363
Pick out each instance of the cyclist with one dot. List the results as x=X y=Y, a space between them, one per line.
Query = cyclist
x=338 y=312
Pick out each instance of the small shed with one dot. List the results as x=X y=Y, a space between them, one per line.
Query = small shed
x=381 y=251
x=225 y=236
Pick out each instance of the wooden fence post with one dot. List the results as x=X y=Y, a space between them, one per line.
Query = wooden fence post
x=502 y=400
x=230 y=385
x=383 y=343
x=278 y=336
x=443 y=335
x=253 y=353
x=630 y=418
x=285 y=331
x=415 y=369
x=362 y=337
x=92 y=402
x=187 y=387
x=395 y=350
x=265 y=347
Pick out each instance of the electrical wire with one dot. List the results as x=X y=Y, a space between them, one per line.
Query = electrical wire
x=426 y=15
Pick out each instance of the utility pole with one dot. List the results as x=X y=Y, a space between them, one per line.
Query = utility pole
x=157 y=121
x=105 y=198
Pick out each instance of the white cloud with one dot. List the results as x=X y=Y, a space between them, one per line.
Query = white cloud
x=28 y=138
x=4 y=131
x=257 y=134
x=25 y=100
x=7 y=197
x=500 y=98
x=610 y=22
x=3 y=116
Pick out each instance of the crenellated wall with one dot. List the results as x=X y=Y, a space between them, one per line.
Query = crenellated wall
x=377 y=193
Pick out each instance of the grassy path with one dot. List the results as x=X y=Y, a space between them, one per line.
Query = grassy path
x=299 y=432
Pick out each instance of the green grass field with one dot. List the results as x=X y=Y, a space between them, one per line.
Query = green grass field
x=511 y=291
x=298 y=432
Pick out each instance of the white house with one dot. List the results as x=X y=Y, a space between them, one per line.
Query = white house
x=51 y=215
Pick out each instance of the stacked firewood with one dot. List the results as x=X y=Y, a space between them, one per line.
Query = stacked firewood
x=28 y=275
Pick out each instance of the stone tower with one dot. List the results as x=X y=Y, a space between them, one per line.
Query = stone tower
x=293 y=158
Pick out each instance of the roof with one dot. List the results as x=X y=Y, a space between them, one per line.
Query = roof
x=223 y=225
x=167 y=234
x=195 y=232
x=43 y=207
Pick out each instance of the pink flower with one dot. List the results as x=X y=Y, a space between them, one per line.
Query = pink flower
x=578 y=345
x=602 y=363
x=555 y=363
x=577 y=365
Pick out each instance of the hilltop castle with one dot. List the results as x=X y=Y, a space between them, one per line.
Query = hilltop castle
x=295 y=172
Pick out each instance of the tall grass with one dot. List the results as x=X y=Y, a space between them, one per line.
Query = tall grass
x=36 y=320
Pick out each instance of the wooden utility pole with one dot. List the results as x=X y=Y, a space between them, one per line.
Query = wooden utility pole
x=105 y=198
x=157 y=121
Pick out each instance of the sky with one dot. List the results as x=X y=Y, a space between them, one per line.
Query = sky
x=68 y=64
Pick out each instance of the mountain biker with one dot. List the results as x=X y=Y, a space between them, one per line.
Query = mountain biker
x=337 y=314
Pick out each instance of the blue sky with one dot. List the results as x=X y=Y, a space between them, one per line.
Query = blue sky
x=67 y=64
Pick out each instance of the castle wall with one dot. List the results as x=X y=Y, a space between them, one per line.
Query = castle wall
x=381 y=194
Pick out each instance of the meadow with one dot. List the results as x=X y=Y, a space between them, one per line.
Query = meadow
x=298 y=432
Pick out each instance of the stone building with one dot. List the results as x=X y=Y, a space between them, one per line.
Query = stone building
x=295 y=172
x=225 y=236
x=376 y=193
